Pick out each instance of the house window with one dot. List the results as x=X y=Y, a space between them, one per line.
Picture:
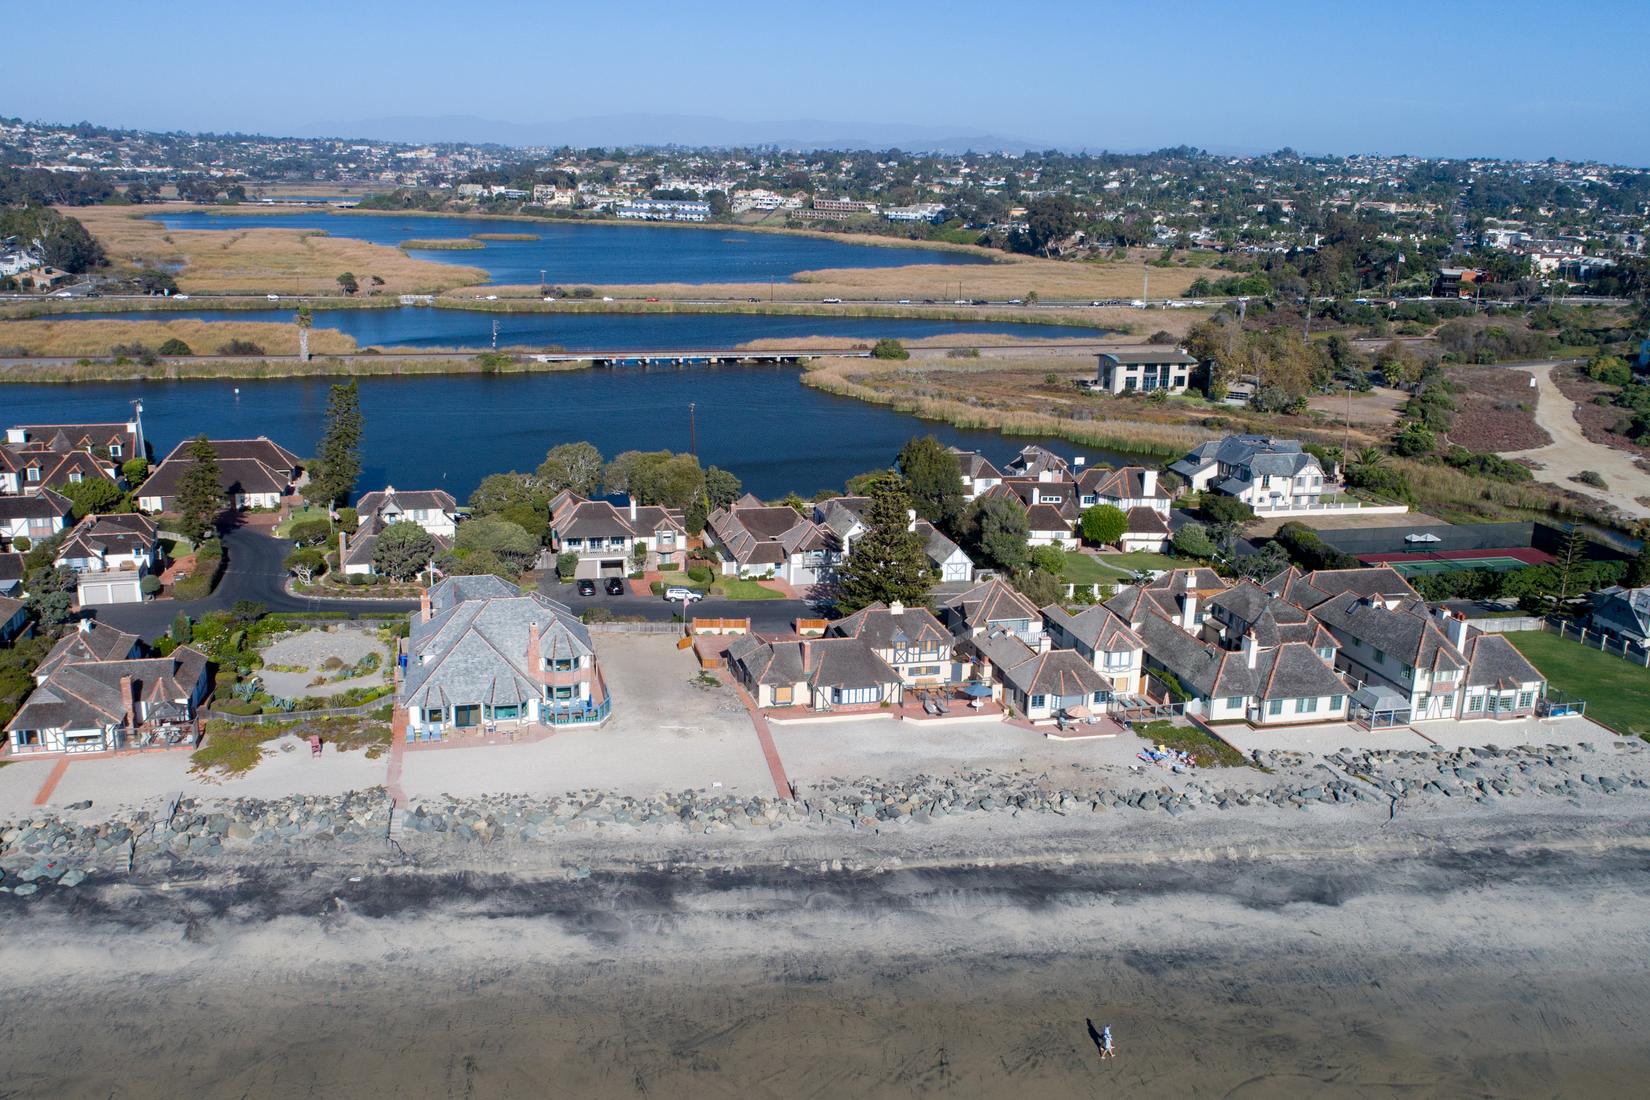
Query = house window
x=1234 y=702
x=76 y=477
x=434 y=715
x=34 y=473
x=1475 y=704
x=1380 y=657
x=1446 y=701
x=467 y=714
x=562 y=694
x=1327 y=652
x=114 y=450
x=508 y=712
x=1446 y=674
x=572 y=544
x=1335 y=701
x=1306 y=706
x=1099 y=697
x=1409 y=672
x=1274 y=706
x=564 y=664
x=782 y=695
x=1526 y=700
x=850 y=696
x=1037 y=702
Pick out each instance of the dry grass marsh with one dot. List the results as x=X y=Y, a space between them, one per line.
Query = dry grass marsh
x=75 y=338
x=285 y=261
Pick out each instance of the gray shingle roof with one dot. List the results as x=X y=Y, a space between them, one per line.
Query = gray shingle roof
x=1495 y=662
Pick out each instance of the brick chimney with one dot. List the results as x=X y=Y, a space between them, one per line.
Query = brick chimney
x=807 y=656
x=1044 y=643
x=424 y=606
x=343 y=549
x=534 y=661
x=128 y=705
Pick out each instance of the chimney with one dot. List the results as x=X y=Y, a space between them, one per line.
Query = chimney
x=533 y=658
x=1188 y=603
x=128 y=707
x=910 y=519
x=424 y=606
x=343 y=549
x=1250 y=651
x=807 y=656
x=1148 y=483
x=1458 y=631
x=1044 y=643
x=85 y=626
x=633 y=509
x=896 y=608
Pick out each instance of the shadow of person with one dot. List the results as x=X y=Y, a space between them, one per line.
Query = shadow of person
x=1094 y=1037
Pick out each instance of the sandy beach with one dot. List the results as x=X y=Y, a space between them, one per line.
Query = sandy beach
x=1457 y=950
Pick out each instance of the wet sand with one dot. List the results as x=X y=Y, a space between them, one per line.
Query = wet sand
x=1462 y=955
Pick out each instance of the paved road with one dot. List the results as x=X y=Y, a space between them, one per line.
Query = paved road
x=255 y=572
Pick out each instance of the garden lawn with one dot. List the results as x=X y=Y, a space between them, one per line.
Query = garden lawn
x=1617 y=691
x=1082 y=568
x=283 y=529
x=1141 y=559
x=738 y=588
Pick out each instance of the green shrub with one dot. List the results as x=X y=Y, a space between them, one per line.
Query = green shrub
x=699 y=573
x=174 y=346
x=889 y=349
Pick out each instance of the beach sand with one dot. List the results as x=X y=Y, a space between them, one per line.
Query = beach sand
x=1457 y=952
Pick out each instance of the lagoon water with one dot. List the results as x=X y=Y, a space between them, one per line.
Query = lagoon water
x=450 y=431
x=420 y=327
x=568 y=252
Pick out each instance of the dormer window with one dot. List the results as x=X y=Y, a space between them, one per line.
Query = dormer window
x=114 y=450
x=34 y=473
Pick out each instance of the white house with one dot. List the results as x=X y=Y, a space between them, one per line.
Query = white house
x=614 y=539
x=34 y=517
x=110 y=556
x=252 y=473
x=844 y=518
x=1265 y=473
x=756 y=540
x=1144 y=370
x=434 y=510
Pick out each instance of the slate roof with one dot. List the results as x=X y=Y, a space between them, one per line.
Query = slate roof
x=1407 y=633
x=974 y=465
x=11 y=569
x=879 y=626
x=406 y=500
x=574 y=517
x=1123 y=483
x=1146 y=521
x=1260 y=454
x=9 y=607
x=1494 y=662
x=42 y=505
x=1097 y=627
x=763 y=535
x=1288 y=671
x=1046 y=517
x=818 y=662
x=1034 y=460
x=86 y=694
x=1060 y=672
x=1308 y=590
x=109 y=536
x=990 y=602
x=93 y=641
x=474 y=648
x=67 y=437
x=245 y=466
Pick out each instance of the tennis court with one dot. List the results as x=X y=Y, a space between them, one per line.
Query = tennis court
x=1418 y=563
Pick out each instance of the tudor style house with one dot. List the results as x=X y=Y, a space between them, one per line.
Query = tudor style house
x=1040 y=682
x=110 y=555
x=844 y=518
x=434 y=510
x=252 y=473
x=989 y=607
x=908 y=639
x=95 y=693
x=756 y=540
x=978 y=475
x=615 y=538
x=14 y=619
x=1143 y=370
x=50 y=456
x=1135 y=491
x=1102 y=638
x=1265 y=473
x=482 y=652
x=34 y=516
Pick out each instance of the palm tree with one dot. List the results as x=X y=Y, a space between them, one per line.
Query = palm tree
x=305 y=319
x=1369 y=457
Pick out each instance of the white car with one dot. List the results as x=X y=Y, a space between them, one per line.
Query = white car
x=831 y=301
x=677 y=592
x=180 y=297
x=607 y=299
x=273 y=297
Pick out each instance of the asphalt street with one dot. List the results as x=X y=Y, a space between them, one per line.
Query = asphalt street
x=255 y=571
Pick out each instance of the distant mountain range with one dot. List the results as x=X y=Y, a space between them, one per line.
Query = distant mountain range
x=688 y=130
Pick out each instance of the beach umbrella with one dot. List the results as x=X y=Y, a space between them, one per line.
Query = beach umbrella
x=978 y=691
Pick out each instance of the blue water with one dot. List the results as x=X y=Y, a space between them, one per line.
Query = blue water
x=449 y=431
x=569 y=253
x=422 y=327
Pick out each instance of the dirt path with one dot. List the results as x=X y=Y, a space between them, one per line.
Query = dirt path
x=1571 y=451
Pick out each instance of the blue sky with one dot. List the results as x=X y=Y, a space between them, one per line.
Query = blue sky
x=1507 y=79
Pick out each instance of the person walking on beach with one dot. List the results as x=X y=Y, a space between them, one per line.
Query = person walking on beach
x=1106 y=1050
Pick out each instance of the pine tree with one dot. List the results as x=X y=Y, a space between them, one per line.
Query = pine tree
x=200 y=498
x=934 y=480
x=340 y=451
x=887 y=562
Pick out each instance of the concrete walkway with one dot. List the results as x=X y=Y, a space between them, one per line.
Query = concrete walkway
x=1571 y=451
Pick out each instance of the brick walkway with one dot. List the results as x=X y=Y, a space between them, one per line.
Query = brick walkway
x=764 y=736
x=52 y=780
x=398 y=750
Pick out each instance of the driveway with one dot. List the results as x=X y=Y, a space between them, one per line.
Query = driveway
x=1571 y=451
x=255 y=571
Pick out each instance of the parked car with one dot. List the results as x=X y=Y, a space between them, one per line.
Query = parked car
x=677 y=592
x=615 y=586
x=587 y=587
x=832 y=301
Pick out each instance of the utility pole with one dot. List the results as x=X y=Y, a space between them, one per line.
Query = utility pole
x=541 y=280
x=693 y=431
x=137 y=420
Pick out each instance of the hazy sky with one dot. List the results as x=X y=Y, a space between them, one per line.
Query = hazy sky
x=1506 y=79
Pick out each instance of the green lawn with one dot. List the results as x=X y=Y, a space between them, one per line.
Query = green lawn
x=1081 y=568
x=282 y=528
x=737 y=588
x=1204 y=750
x=1140 y=559
x=1617 y=691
